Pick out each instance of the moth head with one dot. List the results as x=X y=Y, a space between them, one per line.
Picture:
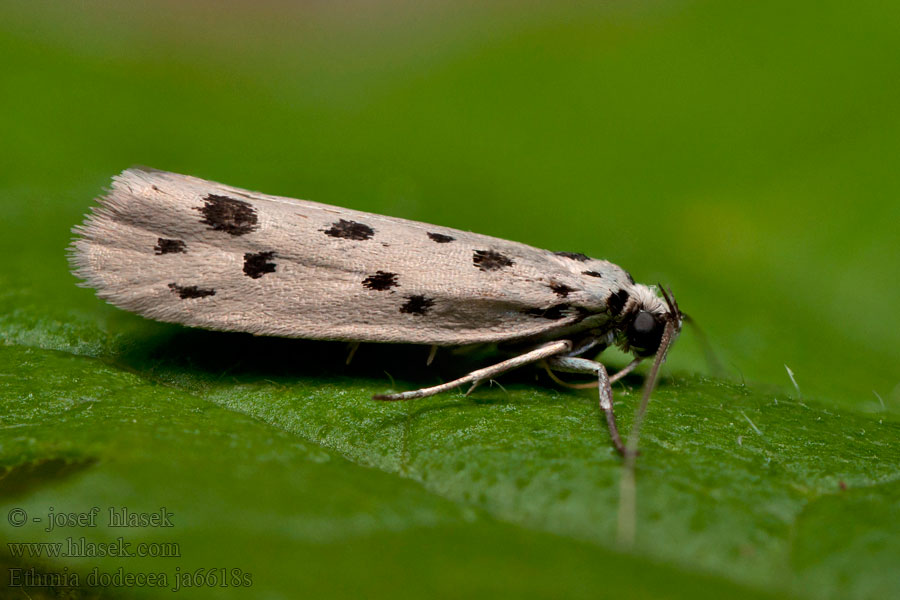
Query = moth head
x=644 y=327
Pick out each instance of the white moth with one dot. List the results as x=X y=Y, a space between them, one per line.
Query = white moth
x=184 y=250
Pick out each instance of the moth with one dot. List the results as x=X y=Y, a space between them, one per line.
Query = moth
x=180 y=249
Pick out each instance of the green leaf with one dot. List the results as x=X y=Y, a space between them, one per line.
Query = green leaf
x=273 y=475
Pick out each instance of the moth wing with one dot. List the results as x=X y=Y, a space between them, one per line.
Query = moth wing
x=184 y=250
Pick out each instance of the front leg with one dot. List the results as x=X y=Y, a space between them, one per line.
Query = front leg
x=570 y=364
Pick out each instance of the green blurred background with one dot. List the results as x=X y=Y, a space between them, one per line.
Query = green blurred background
x=743 y=153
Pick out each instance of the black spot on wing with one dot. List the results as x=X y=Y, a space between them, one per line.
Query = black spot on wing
x=350 y=230
x=222 y=213
x=440 y=238
x=555 y=312
x=190 y=291
x=167 y=246
x=380 y=281
x=630 y=278
x=592 y=273
x=574 y=256
x=561 y=289
x=257 y=264
x=417 y=305
x=616 y=302
x=490 y=260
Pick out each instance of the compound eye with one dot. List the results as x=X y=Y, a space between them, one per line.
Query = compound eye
x=644 y=323
x=645 y=333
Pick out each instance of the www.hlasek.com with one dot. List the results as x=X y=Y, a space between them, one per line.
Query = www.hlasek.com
x=82 y=548
x=222 y=577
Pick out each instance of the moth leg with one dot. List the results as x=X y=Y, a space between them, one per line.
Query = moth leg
x=431 y=354
x=475 y=384
x=625 y=370
x=354 y=346
x=584 y=386
x=566 y=384
x=475 y=377
x=569 y=364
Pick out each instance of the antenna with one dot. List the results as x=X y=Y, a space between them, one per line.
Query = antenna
x=627 y=488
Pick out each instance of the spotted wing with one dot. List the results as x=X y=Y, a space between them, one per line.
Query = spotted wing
x=183 y=250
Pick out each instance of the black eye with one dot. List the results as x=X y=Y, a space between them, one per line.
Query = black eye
x=645 y=333
x=644 y=323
